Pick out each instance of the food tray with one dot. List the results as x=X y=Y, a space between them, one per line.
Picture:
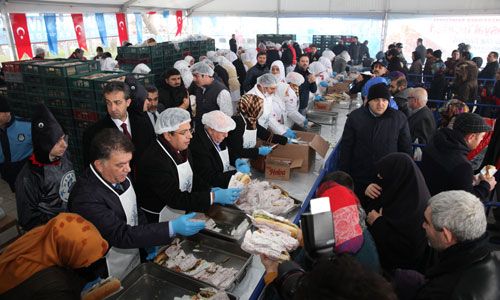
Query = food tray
x=226 y=218
x=321 y=116
x=150 y=281
x=215 y=250
x=341 y=104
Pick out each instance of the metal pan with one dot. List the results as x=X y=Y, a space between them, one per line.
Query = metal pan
x=150 y=281
x=219 y=251
x=227 y=219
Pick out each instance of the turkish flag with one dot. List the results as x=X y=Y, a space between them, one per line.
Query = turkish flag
x=122 y=27
x=21 y=35
x=178 y=14
x=80 y=31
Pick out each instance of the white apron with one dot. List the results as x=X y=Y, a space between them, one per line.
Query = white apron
x=223 y=155
x=249 y=139
x=185 y=176
x=121 y=261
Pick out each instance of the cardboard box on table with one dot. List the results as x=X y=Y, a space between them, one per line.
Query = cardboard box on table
x=340 y=87
x=316 y=144
x=281 y=168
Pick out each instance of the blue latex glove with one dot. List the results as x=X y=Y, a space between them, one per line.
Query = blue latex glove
x=152 y=252
x=227 y=196
x=319 y=98
x=264 y=150
x=91 y=284
x=290 y=134
x=306 y=121
x=323 y=84
x=183 y=226
x=334 y=74
x=242 y=166
x=341 y=79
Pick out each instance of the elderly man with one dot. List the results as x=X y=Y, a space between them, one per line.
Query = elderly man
x=256 y=71
x=105 y=196
x=309 y=84
x=166 y=182
x=211 y=94
x=399 y=89
x=210 y=150
x=455 y=224
x=444 y=160
x=421 y=121
x=15 y=141
x=44 y=183
x=370 y=133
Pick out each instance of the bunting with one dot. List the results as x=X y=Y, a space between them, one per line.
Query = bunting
x=80 y=31
x=21 y=35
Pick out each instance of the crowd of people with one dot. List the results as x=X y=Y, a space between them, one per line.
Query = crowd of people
x=164 y=152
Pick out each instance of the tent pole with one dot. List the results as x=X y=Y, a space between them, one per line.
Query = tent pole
x=278 y=16
x=8 y=27
x=384 y=25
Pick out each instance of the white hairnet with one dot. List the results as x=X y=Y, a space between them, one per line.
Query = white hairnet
x=209 y=62
x=277 y=46
x=281 y=90
x=202 y=68
x=218 y=121
x=141 y=68
x=39 y=51
x=328 y=54
x=211 y=54
x=171 y=119
x=344 y=55
x=252 y=55
x=226 y=63
x=232 y=56
x=108 y=64
x=325 y=62
x=181 y=65
x=187 y=77
x=280 y=65
x=316 y=68
x=267 y=80
x=188 y=59
x=295 y=78
x=245 y=57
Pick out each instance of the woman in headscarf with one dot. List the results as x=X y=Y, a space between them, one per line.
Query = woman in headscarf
x=242 y=140
x=397 y=201
x=189 y=59
x=277 y=118
x=292 y=103
x=449 y=110
x=278 y=70
x=322 y=77
x=328 y=54
x=39 y=265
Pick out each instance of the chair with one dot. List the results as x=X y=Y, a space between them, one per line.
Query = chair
x=7 y=223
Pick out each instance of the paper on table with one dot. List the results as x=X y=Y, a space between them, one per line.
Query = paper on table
x=319 y=205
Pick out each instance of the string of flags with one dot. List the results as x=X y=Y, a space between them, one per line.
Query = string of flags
x=22 y=37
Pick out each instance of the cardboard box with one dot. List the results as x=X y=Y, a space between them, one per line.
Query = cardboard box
x=281 y=168
x=316 y=144
x=340 y=87
x=323 y=105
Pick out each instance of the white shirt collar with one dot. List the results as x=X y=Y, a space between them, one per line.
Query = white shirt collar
x=118 y=124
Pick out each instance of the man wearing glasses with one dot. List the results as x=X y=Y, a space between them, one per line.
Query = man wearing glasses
x=166 y=184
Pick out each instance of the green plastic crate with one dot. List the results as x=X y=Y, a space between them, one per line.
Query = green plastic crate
x=63 y=115
x=34 y=66
x=53 y=91
x=34 y=88
x=58 y=102
x=81 y=81
x=55 y=81
x=20 y=107
x=84 y=104
x=84 y=94
x=100 y=83
x=70 y=67
x=36 y=98
x=32 y=78
x=130 y=49
x=15 y=87
x=128 y=68
x=145 y=79
x=156 y=51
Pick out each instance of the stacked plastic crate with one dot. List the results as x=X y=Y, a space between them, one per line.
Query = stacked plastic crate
x=15 y=89
x=171 y=54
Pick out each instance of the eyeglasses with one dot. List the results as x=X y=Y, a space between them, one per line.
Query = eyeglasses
x=184 y=132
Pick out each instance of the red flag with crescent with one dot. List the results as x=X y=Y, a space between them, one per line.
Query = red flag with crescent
x=122 y=27
x=80 y=31
x=178 y=14
x=21 y=35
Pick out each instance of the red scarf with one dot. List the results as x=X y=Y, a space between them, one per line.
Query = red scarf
x=36 y=163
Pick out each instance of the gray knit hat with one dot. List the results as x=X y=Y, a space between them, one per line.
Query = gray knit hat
x=470 y=123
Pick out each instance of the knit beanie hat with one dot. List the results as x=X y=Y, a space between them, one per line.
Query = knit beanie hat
x=379 y=90
x=4 y=104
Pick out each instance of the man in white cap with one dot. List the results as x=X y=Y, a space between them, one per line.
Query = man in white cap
x=211 y=95
x=211 y=153
x=166 y=183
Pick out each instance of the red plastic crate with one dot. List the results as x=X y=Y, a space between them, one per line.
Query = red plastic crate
x=85 y=115
x=12 y=66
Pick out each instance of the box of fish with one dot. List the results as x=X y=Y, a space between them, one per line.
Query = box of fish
x=226 y=223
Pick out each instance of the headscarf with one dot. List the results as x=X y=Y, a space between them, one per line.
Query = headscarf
x=450 y=109
x=252 y=54
x=328 y=54
x=325 y=62
x=345 y=209
x=250 y=107
x=344 y=55
x=67 y=241
x=188 y=59
x=108 y=64
x=281 y=90
x=280 y=65
x=316 y=68
x=245 y=57
x=142 y=69
x=232 y=56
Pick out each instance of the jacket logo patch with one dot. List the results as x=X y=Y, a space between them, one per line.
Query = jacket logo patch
x=67 y=182
x=21 y=137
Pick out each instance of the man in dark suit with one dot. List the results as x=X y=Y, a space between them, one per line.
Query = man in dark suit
x=421 y=121
x=130 y=122
x=154 y=108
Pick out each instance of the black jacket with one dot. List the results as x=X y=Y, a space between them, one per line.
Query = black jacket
x=252 y=75
x=468 y=270
x=234 y=140
x=158 y=183
x=401 y=99
x=366 y=139
x=364 y=52
x=489 y=71
x=305 y=88
x=272 y=55
x=445 y=165
x=242 y=73
x=339 y=48
x=422 y=125
x=354 y=51
x=222 y=75
x=208 y=163
x=165 y=95
x=140 y=130
x=233 y=46
x=287 y=57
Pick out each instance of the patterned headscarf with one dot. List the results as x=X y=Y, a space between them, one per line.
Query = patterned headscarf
x=295 y=88
x=450 y=109
x=250 y=107
x=67 y=241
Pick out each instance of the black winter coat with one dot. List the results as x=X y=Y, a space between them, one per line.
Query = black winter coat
x=252 y=75
x=366 y=139
x=489 y=71
x=422 y=125
x=272 y=55
x=222 y=75
x=242 y=73
x=445 y=165
x=287 y=57
x=305 y=88
x=208 y=163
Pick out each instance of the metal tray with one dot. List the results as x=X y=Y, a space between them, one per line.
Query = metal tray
x=321 y=116
x=226 y=218
x=150 y=281
x=315 y=128
x=216 y=250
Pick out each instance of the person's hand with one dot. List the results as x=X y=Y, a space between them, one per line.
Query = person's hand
x=265 y=150
x=290 y=134
x=269 y=264
x=226 y=196
x=323 y=84
x=311 y=78
x=183 y=226
x=373 y=191
x=319 y=98
x=334 y=74
x=373 y=215
x=360 y=78
x=492 y=181
x=242 y=166
x=91 y=284
x=306 y=121
x=152 y=252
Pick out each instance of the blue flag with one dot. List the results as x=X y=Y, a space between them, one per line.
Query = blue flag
x=51 y=29
x=101 y=26
x=138 y=24
x=166 y=13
